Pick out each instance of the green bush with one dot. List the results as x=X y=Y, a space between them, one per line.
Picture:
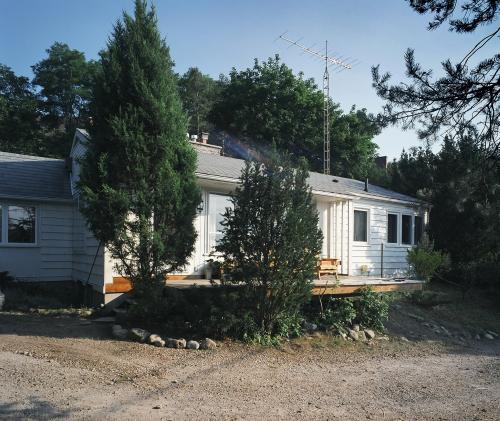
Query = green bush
x=339 y=313
x=372 y=308
x=270 y=245
x=424 y=261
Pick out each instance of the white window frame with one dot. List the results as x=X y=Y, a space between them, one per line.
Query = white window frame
x=400 y=213
x=368 y=226
x=209 y=247
x=4 y=221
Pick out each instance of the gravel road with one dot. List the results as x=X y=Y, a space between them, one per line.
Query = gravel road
x=67 y=368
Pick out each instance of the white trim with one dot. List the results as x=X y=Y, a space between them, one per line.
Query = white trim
x=4 y=222
x=368 y=218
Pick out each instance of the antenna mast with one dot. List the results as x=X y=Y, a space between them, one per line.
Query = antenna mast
x=326 y=93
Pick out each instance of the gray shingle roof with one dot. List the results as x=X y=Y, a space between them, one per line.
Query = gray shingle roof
x=221 y=166
x=24 y=176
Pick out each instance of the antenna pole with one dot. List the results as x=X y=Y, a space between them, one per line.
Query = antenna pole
x=326 y=93
x=326 y=115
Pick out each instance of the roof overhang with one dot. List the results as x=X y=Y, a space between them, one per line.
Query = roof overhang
x=37 y=199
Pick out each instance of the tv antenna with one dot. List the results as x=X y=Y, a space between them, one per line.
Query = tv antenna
x=329 y=61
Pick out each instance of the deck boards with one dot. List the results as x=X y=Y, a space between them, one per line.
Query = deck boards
x=347 y=285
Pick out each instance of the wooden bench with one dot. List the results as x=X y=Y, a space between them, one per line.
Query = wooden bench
x=328 y=266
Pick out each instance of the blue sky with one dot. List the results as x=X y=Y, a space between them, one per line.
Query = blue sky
x=220 y=34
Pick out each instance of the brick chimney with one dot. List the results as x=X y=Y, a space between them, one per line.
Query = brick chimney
x=381 y=162
x=200 y=143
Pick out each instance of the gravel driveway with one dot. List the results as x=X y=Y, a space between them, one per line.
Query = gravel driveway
x=66 y=368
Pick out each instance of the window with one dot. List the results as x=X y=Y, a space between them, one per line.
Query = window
x=217 y=205
x=392 y=228
x=418 y=229
x=360 y=226
x=21 y=224
x=406 y=229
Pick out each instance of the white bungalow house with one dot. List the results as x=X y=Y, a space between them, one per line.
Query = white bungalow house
x=44 y=238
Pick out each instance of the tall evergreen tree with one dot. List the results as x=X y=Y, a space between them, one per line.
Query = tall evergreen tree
x=138 y=179
x=271 y=241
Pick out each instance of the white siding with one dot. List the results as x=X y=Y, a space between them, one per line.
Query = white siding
x=369 y=256
x=85 y=247
x=50 y=259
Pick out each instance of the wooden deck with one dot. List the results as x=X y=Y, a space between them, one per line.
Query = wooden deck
x=347 y=285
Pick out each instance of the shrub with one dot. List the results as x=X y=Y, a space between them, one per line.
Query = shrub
x=270 y=244
x=424 y=261
x=339 y=313
x=372 y=309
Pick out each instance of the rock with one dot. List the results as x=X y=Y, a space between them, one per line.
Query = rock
x=488 y=336
x=370 y=334
x=404 y=339
x=310 y=326
x=382 y=338
x=193 y=345
x=478 y=337
x=361 y=335
x=208 y=344
x=355 y=328
x=138 y=334
x=175 y=343
x=353 y=335
x=492 y=333
x=156 y=340
x=119 y=332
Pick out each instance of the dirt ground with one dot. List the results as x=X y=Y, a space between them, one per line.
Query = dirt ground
x=68 y=368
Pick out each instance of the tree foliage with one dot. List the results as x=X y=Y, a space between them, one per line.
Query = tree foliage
x=138 y=179
x=269 y=104
x=64 y=79
x=40 y=117
x=271 y=241
x=466 y=94
x=20 y=129
x=463 y=188
x=198 y=93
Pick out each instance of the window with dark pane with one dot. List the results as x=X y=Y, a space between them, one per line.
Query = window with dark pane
x=392 y=228
x=406 y=229
x=418 y=229
x=21 y=224
x=360 y=225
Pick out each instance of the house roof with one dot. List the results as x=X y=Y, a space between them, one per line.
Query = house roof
x=214 y=166
x=33 y=177
x=24 y=176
